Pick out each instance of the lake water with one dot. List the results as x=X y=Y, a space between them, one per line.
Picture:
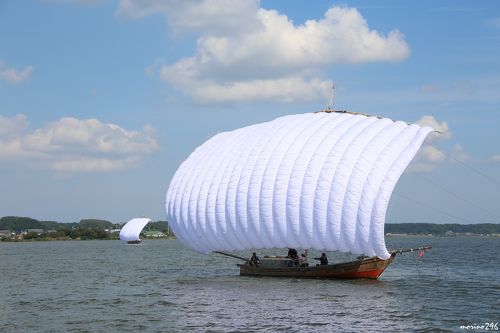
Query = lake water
x=160 y=286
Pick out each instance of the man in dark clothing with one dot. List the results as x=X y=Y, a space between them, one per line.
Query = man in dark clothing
x=254 y=260
x=323 y=259
x=292 y=254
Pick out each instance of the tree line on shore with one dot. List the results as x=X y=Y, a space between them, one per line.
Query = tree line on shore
x=32 y=229
x=26 y=228
x=443 y=229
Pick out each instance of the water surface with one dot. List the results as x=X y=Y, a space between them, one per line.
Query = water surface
x=160 y=286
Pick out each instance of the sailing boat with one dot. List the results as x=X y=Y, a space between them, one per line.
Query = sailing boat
x=318 y=180
x=132 y=229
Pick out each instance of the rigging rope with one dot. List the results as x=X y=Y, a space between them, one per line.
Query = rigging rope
x=434 y=208
x=468 y=166
x=456 y=195
x=482 y=174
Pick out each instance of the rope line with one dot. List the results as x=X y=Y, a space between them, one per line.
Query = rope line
x=468 y=166
x=433 y=208
x=457 y=196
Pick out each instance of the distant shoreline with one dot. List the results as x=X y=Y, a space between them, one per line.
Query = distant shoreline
x=15 y=228
x=173 y=238
x=73 y=240
x=432 y=235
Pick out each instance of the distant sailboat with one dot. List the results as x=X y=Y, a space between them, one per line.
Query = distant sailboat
x=314 y=181
x=132 y=229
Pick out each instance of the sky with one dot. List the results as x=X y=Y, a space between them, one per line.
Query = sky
x=101 y=101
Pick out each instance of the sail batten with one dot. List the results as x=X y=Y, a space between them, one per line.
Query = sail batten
x=315 y=180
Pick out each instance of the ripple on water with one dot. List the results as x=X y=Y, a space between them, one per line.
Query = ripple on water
x=108 y=287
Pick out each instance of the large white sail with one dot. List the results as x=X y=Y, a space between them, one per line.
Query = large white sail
x=132 y=229
x=315 y=180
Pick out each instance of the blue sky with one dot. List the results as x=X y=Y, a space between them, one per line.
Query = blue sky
x=100 y=101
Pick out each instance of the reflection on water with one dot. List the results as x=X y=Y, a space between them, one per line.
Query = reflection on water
x=159 y=286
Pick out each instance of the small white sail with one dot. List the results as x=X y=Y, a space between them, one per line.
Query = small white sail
x=315 y=180
x=132 y=229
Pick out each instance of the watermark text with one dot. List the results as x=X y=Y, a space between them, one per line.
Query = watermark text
x=483 y=327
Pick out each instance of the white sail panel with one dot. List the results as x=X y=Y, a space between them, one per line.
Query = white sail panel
x=315 y=180
x=132 y=229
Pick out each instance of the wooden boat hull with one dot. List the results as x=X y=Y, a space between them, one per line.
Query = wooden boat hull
x=134 y=242
x=369 y=268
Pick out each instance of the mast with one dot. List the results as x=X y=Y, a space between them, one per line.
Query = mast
x=330 y=102
x=231 y=255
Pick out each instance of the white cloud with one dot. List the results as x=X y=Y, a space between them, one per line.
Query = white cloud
x=210 y=16
x=71 y=144
x=249 y=48
x=427 y=158
x=442 y=131
x=458 y=153
x=289 y=89
x=495 y=158
x=13 y=75
x=12 y=127
x=429 y=155
x=81 y=164
x=417 y=166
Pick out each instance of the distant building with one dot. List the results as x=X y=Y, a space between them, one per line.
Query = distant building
x=153 y=234
x=5 y=233
x=37 y=231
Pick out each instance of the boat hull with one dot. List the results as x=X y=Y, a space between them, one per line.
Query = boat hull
x=134 y=242
x=369 y=268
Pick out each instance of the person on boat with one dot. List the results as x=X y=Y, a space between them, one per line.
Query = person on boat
x=303 y=260
x=254 y=260
x=323 y=259
x=292 y=254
